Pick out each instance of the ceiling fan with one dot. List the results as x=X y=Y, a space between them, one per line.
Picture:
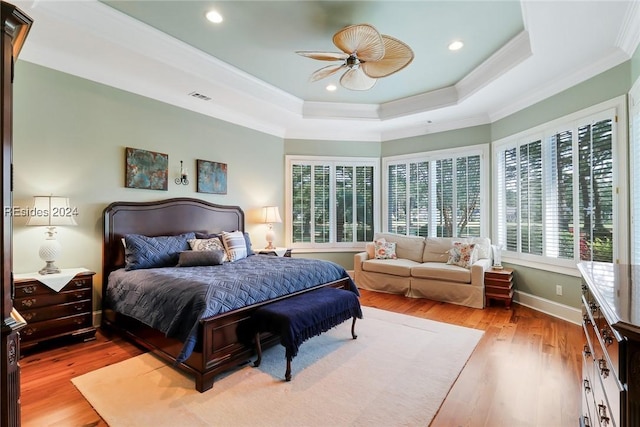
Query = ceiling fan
x=366 y=56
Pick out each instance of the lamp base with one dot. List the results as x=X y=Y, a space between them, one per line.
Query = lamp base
x=50 y=268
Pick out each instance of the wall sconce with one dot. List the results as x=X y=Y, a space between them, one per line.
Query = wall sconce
x=270 y=214
x=51 y=211
x=183 y=176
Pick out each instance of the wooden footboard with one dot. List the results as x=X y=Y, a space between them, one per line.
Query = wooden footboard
x=224 y=341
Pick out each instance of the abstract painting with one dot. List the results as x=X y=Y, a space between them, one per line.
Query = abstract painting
x=212 y=177
x=146 y=169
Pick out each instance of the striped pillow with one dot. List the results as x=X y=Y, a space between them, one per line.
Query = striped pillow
x=235 y=245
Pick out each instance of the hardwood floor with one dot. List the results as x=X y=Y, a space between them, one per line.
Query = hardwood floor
x=525 y=371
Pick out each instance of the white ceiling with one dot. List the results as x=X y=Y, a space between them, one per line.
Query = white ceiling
x=516 y=53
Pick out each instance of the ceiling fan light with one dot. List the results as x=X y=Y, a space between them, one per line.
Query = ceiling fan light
x=331 y=87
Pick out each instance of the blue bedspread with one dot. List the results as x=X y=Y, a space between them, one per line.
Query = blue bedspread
x=174 y=299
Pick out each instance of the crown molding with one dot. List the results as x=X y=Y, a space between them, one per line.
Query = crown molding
x=629 y=36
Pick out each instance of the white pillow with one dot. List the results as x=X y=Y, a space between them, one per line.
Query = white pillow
x=235 y=245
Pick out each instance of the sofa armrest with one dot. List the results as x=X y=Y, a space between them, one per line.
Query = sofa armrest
x=477 y=271
x=358 y=259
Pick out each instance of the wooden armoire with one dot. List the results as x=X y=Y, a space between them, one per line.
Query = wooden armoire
x=15 y=27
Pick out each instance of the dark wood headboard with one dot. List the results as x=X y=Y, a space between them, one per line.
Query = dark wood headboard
x=161 y=218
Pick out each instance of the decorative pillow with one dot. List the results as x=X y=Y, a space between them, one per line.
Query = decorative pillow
x=212 y=244
x=463 y=254
x=247 y=240
x=385 y=250
x=152 y=252
x=235 y=245
x=198 y=258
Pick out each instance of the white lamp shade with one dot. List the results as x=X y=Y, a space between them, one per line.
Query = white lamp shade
x=271 y=214
x=51 y=211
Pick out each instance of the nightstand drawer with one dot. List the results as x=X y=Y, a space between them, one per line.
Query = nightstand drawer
x=37 y=301
x=61 y=310
x=32 y=287
x=50 y=328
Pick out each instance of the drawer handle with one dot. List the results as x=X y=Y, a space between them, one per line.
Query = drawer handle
x=607 y=336
x=79 y=283
x=586 y=319
x=28 y=302
x=604 y=371
x=587 y=386
x=78 y=321
x=585 y=421
x=602 y=411
x=29 y=289
x=29 y=331
x=586 y=350
x=29 y=316
x=79 y=295
x=78 y=307
x=593 y=306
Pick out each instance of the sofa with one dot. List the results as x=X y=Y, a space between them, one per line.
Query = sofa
x=420 y=267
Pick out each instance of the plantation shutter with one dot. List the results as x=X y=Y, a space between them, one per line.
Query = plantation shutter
x=559 y=234
x=301 y=203
x=595 y=175
x=321 y=220
x=511 y=215
x=444 y=198
x=396 y=198
x=531 y=198
x=419 y=199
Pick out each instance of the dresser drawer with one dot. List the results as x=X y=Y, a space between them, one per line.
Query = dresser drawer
x=588 y=413
x=60 y=310
x=51 y=328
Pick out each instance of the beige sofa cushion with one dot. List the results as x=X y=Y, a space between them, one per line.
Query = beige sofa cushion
x=436 y=249
x=407 y=247
x=396 y=267
x=440 y=271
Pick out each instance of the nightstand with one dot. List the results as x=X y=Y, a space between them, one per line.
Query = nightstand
x=286 y=252
x=53 y=314
x=498 y=285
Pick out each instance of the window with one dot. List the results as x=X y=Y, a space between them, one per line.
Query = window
x=436 y=194
x=331 y=202
x=554 y=192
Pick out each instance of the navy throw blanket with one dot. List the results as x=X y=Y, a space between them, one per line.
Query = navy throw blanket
x=304 y=316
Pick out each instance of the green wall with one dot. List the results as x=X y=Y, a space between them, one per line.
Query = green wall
x=70 y=136
x=635 y=66
x=438 y=141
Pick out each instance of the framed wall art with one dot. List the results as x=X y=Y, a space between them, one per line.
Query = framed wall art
x=212 y=177
x=146 y=169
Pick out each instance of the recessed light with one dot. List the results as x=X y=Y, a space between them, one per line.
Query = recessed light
x=214 y=16
x=456 y=45
x=331 y=87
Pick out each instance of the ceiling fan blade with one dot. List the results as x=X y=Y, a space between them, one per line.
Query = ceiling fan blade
x=323 y=56
x=361 y=39
x=355 y=79
x=397 y=56
x=326 y=72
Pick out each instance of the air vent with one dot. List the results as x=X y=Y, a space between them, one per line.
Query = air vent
x=200 y=96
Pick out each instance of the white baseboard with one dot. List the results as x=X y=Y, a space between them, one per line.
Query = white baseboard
x=561 y=311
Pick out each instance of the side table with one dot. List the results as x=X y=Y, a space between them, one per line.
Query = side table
x=498 y=285
x=285 y=252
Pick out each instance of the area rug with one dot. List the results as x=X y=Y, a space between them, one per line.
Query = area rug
x=396 y=373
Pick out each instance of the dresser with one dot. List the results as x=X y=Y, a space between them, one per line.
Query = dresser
x=50 y=314
x=611 y=353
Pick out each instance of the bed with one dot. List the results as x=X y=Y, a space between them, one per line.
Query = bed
x=221 y=336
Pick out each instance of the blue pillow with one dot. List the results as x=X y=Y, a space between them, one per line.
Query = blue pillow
x=152 y=252
x=247 y=240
